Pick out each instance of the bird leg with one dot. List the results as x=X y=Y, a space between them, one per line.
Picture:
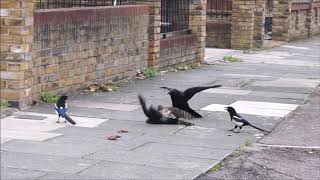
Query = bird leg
x=239 y=129
x=233 y=128
x=58 y=120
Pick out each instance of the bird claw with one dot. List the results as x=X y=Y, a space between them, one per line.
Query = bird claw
x=57 y=121
x=65 y=121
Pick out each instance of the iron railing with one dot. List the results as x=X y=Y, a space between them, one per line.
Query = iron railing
x=50 y=4
x=222 y=8
x=174 y=15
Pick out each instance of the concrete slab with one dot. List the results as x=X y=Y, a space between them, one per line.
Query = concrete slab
x=13 y=173
x=279 y=95
x=264 y=105
x=39 y=162
x=54 y=149
x=115 y=170
x=214 y=107
x=5 y=139
x=227 y=91
x=246 y=75
x=27 y=135
x=296 y=47
x=185 y=151
x=155 y=159
x=11 y=123
x=33 y=117
x=109 y=106
x=256 y=108
x=289 y=82
x=49 y=123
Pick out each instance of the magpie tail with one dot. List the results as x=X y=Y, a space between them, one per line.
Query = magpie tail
x=69 y=120
x=259 y=128
x=143 y=105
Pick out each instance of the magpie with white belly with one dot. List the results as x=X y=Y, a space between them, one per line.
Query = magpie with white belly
x=240 y=121
x=180 y=99
x=61 y=108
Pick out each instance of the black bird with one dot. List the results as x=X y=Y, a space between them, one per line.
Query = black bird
x=240 y=121
x=156 y=117
x=61 y=108
x=180 y=99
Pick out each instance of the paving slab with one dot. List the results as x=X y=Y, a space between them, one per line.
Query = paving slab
x=155 y=159
x=227 y=91
x=13 y=173
x=115 y=170
x=5 y=139
x=246 y=75
x=39 y=162
x=289 y=82
x=54 y=149
x=255 y=108
x=27 y=135
x=49 y=123
x=279 y=95
x=181 y=150
x=109 y=106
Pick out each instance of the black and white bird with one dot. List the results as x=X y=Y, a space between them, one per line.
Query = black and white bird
x=160 y=115
x=61 y=109
x=240 y=121
x=180 y=99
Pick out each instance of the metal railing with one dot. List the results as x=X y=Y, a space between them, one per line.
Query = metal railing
x=221 y=8
x=51 y=4
x=174 y=15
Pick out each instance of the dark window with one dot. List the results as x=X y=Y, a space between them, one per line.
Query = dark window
x=221 y=8
x=50 y=4
x=174 y=15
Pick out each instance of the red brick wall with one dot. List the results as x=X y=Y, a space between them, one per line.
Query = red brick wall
x=218 y=33
x=177 y=49
x=72 y=48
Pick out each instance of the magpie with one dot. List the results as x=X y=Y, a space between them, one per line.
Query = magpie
x=156 y=116
x=180 y=99
x=240 y=121
x=61 y=108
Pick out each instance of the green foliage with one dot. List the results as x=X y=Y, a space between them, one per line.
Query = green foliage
x=217 y=167
x=48 y=97
x=150 y=72
x=5 y=104
x=231 y=59
x=181 y=67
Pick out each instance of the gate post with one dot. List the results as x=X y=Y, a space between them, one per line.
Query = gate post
x=259 y=20
x=242 y=19
x=281 y=20
x=197 y=24
x=16 y=51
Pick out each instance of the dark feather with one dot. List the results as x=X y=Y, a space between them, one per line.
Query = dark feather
x=69 y=119
x=189 y=93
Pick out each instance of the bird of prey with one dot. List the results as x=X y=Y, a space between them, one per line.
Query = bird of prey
x=240 y=121
x=180 y=99
x=61 y=109
x=156 y=116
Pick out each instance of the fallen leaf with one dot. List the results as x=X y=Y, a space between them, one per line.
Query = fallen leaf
x=113 y=137
x=123 y=131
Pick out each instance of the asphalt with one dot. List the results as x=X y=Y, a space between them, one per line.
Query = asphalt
x=267 y=87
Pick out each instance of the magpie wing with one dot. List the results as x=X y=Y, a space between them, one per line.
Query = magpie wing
x=189 y=93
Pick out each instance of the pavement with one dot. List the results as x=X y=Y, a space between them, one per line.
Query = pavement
x=266 y=87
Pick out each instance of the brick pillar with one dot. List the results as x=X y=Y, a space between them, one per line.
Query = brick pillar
x=259 y=19
x=197 y=24
x=242 y=19
x=310 y=18
x=281 y=20
x=154 y=30
x=16 y=52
